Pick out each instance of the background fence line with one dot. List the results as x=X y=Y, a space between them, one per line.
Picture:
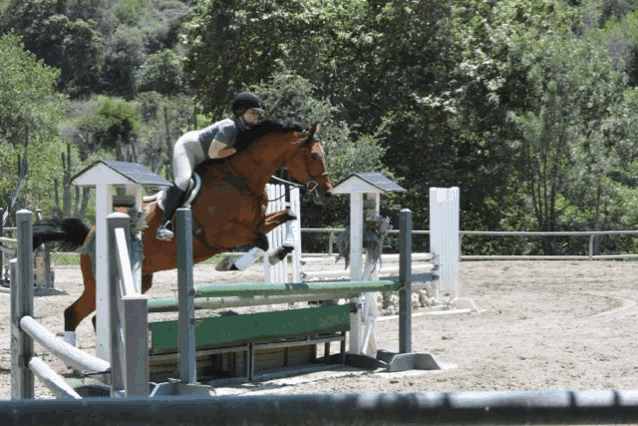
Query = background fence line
x=590 y=256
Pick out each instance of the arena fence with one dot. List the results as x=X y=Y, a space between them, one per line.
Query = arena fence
x=592 y=235
x=427 y=408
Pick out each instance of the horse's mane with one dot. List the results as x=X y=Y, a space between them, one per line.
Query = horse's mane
x=246 y=137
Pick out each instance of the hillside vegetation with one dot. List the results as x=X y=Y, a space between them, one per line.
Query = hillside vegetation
x=529 y=106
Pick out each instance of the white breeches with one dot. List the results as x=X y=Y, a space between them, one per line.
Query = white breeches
x=187 y=155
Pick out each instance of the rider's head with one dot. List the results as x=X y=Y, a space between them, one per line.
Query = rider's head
x=247 y=106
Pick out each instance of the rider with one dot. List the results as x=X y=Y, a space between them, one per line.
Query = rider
x=194 y=147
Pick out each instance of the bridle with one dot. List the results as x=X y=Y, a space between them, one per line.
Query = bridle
x=312 y=185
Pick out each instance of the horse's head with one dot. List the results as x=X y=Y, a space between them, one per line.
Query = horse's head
x=308 y=165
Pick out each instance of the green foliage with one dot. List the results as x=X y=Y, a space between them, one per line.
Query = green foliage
x=162 y=73
x=81 y=59
x=73 y=46
x=163 y=120
x=527 y=105
x=288 y=95
x=124 y=56
x=567 y=134
x=129 y=12
x=27 y=91
x=242 y=42
x=99 y=45
x=29 y=110
x=120 y=121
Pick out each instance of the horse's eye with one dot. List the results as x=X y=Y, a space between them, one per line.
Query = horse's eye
x=315 y=156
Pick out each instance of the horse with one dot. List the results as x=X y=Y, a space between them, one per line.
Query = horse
x=228 y=211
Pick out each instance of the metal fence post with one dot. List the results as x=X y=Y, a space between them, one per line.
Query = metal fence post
x=22 y=347
x=186 y=296
x=405 y=278
x=129 y=318
x=118 y=373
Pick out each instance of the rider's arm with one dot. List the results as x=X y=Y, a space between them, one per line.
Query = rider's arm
x=219 y=149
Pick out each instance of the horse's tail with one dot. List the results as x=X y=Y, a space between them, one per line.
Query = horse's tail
x=70 y=232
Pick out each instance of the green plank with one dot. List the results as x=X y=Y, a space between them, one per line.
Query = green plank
x=257 y=289
x=263 y=326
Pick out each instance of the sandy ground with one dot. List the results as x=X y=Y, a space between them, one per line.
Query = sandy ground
x=544 y=325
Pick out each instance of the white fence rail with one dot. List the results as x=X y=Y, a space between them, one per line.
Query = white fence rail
x=128 y=369
x=589 y=256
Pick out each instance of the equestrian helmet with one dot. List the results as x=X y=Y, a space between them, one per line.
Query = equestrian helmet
x=246 y=100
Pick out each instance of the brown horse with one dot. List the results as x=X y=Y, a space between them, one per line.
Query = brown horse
x=230 y=207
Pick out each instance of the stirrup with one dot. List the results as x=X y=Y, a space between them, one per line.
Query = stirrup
x=164 y=234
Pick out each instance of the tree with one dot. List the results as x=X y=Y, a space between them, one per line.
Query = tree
x=73 y=46
x=81 y=59
x=239 y=43
x=162 y=73
x=123 y=59
x=569 y=135
x=27 y=92
x=119 y=122
x=29 y=111
x=287 y=95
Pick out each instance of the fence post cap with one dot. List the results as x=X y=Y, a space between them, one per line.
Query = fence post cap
x=117 y=215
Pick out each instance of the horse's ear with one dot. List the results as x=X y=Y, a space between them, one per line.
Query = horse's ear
x=316 y=128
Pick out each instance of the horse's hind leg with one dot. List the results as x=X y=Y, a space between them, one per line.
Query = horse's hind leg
x=147 y=281
x=85 y=304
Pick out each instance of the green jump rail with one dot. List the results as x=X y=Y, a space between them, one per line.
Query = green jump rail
x=251 y=294
x=254 y=327
x=259 y=289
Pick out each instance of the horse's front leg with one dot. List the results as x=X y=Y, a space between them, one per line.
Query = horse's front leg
x=274 y=219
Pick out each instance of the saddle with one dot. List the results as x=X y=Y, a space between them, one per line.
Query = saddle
x=194 y=186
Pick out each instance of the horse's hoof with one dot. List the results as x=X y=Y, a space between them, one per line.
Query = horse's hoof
x=164 y=234
x=225 y=264
x=279 y=254
x=291 y=215
x=261 y=241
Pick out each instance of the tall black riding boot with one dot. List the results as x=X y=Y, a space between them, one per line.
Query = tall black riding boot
x=172 y=200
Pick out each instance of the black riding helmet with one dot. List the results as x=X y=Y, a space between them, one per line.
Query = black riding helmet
x=246 y=100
